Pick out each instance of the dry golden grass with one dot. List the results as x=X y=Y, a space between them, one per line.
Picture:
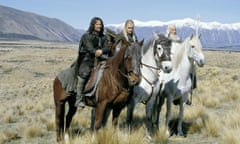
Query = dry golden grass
x=27 y=114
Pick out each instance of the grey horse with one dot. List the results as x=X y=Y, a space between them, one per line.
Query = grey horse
x=156 y=57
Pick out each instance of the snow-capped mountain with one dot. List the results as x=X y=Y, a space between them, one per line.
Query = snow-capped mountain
x=213 y=34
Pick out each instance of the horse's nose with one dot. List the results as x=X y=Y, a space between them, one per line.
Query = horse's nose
x=168 y=69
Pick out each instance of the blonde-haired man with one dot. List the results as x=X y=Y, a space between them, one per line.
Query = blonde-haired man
x=127 y=33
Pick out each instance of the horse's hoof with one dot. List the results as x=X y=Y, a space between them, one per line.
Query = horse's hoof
x=181 y=134
x=148 y=138
x=66 y=139
x=167 y=133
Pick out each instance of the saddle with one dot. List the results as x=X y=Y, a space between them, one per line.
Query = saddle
x=95 y=76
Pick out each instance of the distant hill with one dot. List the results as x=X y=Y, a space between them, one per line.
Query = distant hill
x=213 y=34
x=17 y=24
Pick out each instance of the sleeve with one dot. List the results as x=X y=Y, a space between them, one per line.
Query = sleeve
x=88 y=43
x=105 y=48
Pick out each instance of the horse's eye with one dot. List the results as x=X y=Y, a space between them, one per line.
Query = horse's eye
x=193 y=46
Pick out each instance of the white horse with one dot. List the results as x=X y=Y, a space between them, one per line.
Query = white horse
x=177 y=84
x=156 y=57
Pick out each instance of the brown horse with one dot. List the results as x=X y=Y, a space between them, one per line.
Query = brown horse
x=121 y=72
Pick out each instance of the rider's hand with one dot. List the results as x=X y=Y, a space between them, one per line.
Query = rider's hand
x=98 y=53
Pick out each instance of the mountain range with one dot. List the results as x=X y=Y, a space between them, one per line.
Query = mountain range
x=213 y=34
x=17 y=24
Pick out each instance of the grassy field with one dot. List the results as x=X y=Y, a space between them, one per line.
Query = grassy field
x=27 y=113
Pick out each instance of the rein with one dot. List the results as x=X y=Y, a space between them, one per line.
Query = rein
x=192 y=79
x=150 y=83
x=126 y=76
x=149 y=66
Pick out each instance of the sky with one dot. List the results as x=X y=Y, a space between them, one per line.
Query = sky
x=78 y=13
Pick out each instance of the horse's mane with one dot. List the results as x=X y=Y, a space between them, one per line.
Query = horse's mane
x=178 y=54
x=146 y=46
x=115 y=61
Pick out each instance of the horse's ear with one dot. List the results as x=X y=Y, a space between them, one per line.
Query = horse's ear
x=162 y=37
x=199 y=36
x=191 y=36
x=168 y=35
x=141 y=42
x=155 y=35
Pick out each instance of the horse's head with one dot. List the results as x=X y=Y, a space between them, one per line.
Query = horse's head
x=132 y=62
x=162 y=52
x=195 y=50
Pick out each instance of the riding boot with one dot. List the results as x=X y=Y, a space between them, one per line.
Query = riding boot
x=79 y=99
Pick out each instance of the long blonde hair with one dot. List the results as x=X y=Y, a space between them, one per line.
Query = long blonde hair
x=125 y=30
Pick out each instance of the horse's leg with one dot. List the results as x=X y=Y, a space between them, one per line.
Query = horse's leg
x=149 y=114
x=93 y=113
x=155 y=115
x=160 y=102
x=72 y=110
x=130 y=109
x=105 y=117
x=168 y=112
x=149 y=123
x=100 y=109
x=59 y=108
x=180 y=118
x=59 y=119
x=115 y=114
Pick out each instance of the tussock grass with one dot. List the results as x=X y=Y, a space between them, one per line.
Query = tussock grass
x=50 y=125
x=39 y=108
x=10 y=135
x=161 y=137
x=212 y=127
x=107 y=136
x=34 y=131
x=231 y=136
x=232 y=119
x=3 y=138
x=9 y=119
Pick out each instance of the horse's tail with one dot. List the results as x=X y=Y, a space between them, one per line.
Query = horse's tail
x=57 y=90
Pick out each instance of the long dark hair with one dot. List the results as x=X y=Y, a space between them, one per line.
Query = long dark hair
x=93 y=22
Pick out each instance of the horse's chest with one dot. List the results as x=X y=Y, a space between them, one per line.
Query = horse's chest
x=183 y=87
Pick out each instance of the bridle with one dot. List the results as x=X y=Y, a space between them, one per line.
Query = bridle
x=152 y=84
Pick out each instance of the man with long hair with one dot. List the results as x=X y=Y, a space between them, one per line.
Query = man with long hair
x=127 y=34
x=92 y=48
